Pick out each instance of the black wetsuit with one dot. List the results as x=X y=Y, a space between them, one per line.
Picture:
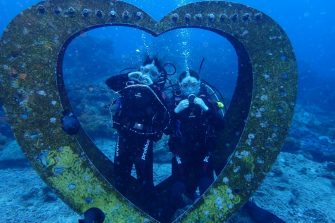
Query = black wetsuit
x=140 y=119
x=192 y=140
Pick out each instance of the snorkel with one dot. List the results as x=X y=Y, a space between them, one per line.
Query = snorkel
x=214 y=92
x=201 y=64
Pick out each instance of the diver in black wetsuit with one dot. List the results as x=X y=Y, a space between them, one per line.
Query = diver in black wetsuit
x=194 y=123
x=139 y=116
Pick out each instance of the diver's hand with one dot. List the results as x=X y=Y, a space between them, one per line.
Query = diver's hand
x=139 y=77
x=182 y=106
x=135 y=76
x=201 y=103
x=145 y=79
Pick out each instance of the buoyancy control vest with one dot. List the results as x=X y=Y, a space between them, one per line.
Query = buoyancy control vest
x=140 y=111
x=193 y=124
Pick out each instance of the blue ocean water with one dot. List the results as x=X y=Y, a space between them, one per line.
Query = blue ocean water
x=309 y=25
x=99 y=53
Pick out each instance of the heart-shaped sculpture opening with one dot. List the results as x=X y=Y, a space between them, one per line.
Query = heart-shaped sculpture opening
x=93 y=56
x=34 y=98
x=160 y=195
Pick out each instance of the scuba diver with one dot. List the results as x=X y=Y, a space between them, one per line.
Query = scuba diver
x=139 y=116
x=194 y=123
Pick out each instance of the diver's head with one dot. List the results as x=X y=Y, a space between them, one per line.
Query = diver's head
x=151 y=71
x=153 y=68
x=189 y=83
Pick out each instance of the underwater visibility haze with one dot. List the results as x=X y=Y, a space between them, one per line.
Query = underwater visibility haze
x=300 y=184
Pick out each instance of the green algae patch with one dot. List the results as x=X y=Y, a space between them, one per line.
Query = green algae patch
x=78 y=183
x=217 y=205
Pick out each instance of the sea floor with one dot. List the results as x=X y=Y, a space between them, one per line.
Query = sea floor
x=296 y=190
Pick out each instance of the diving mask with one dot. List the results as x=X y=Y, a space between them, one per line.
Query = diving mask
x=190 y=85
x=151 y=70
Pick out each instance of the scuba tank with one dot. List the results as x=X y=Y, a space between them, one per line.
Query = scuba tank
x=213 y=92
x=120 y=81
x=216 y=96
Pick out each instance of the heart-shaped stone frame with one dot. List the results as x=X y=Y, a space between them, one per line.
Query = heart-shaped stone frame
x=33 y=94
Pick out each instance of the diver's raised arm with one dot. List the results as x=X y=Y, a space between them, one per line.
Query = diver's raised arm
x=117 y=82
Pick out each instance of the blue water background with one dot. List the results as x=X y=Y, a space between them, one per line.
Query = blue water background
x=308 y=23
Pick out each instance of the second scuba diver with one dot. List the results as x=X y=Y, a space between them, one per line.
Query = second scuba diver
x=194 y=123
x=139 y=116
